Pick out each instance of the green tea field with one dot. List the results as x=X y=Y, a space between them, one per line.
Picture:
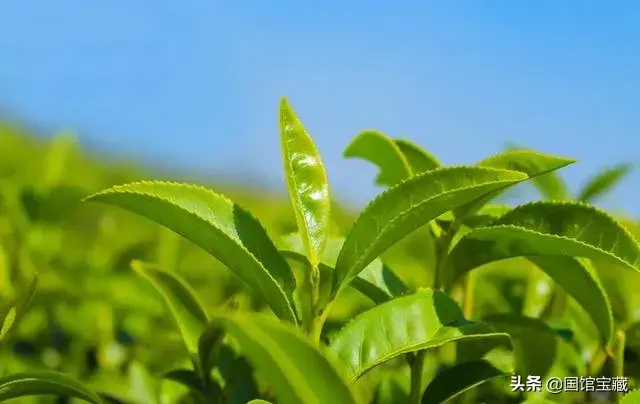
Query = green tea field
x=120 y=283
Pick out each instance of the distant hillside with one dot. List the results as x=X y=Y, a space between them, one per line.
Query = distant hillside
x=27 y=158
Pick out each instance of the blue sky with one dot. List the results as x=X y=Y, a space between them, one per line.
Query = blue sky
x=196 y=84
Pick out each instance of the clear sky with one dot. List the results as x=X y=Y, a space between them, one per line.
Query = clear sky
x=196 y=83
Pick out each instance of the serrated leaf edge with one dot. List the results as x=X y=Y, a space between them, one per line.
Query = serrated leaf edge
x=417 y=178
x=125 y=189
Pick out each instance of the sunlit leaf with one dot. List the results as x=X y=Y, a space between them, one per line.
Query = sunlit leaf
x=307 y=182
x=529 y=162
x=219 y=226
x=566 y=229
x=404 y=208
x=424 y=320
x=419 y=159
x=382 y=151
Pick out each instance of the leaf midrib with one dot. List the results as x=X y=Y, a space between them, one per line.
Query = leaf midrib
x=564 y=238
x=430 y=344
x=7 y=386
x=393 y=222
x=296 y=198
x=218 y=230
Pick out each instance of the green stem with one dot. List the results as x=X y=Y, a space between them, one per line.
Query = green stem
x=315 y=285
x=469 y=295
x=417 y=369
x=318 y=323
x=618 y=360
x=444 y=243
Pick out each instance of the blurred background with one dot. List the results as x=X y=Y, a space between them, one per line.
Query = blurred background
x=195 y=86
x=94 y=94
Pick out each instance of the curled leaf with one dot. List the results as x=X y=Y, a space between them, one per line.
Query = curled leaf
x=419 y=159
x=398 y=159
x=307 y=182
x=382 y=151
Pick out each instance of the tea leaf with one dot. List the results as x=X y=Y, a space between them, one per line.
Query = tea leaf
x=581 y=282
x=603 y=182
x=382 y=151
x=534 y=343
x=307 y=182
x=44 y=383
x=287 y=360
x=186 y=309
x=240 y=384
x=484 y=216
x=222 y=228
x=567 y=229
x=458 y=379
x=530 y=162
x=10 y=318
x=379 y=283
x=407 y=206
x=551 y=187
x=208 y=343
x=419 y=159
x=424 y=320
x=376 y=281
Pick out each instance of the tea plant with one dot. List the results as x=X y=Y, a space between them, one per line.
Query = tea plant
x=444 y=329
